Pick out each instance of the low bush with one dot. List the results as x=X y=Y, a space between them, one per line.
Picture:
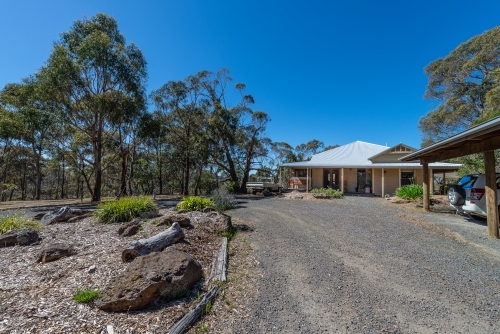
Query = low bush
x=194 y=203
x=334 y=193
x=17 y=222
x=124 y=209
x=86 y=296
x=223 y=200
x=410 y=192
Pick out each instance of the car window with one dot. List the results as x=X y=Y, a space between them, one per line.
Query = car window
x=498 y=182
x=467 y=181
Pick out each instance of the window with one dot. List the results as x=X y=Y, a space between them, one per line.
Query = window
x=301 y=172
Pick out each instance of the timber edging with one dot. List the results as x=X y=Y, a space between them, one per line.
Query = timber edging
x=218 y=274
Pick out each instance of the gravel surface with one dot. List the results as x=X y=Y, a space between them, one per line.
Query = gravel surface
x=364 y=265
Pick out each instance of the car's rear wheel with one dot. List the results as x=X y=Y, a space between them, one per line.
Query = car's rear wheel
x=456 y=195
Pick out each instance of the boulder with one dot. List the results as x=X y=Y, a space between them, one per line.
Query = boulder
x=173 y=217
x=18 y=237
x=130 y=228
x=166 y=275
x=63 y=214
x=321 y=196
x=216 y=222
x=54 y=252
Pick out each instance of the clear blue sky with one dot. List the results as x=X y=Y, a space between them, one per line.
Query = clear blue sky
x=336 y=71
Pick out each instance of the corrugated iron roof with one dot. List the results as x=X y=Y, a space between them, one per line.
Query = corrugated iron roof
x=357 y=155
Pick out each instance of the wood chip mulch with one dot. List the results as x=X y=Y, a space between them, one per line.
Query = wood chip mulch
x=37 y=298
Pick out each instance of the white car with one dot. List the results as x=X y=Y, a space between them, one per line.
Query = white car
x=468 y=195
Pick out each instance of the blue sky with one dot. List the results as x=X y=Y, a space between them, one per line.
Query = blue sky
x=336 y=71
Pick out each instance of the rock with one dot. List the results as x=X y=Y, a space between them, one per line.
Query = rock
x=78 y=218
x=54 y=252
x=61 y=215
x=216 y=222
x=321 y=196
x=39 y=216
x=19 y=237
x=130 y=228
x=166 y=275
x=173 y=217
x=149 y=214
x=91 y=269
x=182 y=211
x=208 y=209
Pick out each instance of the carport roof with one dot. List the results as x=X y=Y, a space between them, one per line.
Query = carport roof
x=484 y=137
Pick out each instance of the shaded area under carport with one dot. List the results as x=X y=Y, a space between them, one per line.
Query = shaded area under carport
x=484 y=138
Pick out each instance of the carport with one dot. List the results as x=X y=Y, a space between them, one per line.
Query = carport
x=484 y=138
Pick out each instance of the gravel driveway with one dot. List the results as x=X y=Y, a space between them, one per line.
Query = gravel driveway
x=363 y=265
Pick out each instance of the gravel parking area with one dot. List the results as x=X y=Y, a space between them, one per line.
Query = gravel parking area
x=364 y=265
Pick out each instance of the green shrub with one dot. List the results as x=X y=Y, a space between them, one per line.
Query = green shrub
x=194 y=203
x=231 y=187
x=334 y=193
x=86 y=296
x=17 y=222
x=124 y=209
x=410 y=192
x=223 y=200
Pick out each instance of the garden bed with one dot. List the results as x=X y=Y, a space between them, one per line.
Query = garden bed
x=37 y=298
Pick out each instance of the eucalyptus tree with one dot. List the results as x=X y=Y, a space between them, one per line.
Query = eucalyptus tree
x=305 y=151
x=183 y=111
x=96 y=79
x=36 y=114
x=233 y=131
x=461 y=82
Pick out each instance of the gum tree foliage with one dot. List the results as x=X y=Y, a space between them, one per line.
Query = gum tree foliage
x=466 y=86
x=97 y=81
x=307 y=150
x=34 y=113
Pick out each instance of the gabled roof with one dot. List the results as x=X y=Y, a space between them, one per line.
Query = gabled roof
x=399 y=148
x=357 y=155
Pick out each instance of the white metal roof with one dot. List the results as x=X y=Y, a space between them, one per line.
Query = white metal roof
x=357 y=154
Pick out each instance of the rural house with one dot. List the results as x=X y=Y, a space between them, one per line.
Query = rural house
x=361 y=167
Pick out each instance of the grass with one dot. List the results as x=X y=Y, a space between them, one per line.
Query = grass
x=194 y=203
x=201 y=328
x=124 y=209
x=229 y=234
x=17 y=222
x=333 y=193
x=410 y=192
x=86 y=296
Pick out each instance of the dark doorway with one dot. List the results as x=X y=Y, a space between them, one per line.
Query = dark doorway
x=361 y=180
x=331 y=178
x=406 y=178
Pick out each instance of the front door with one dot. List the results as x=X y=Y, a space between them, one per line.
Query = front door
x=406 y=178
x=331 y=178
x=361 y=180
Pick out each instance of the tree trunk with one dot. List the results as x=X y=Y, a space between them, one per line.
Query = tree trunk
x=38 y=184
x=156 y=243
x=185 y=190
x=96 y=193
x=158 y=162
x=62 y=184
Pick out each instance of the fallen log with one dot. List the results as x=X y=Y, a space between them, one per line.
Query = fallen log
x=219 y=264
x=156 y=243
x=195 y=313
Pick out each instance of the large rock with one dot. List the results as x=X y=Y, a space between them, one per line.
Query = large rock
x=130 y=228
x=173 y=217
x=166 y=275
x=54 y=252
x=63 y=214
x=218 y=222
x=18 y=237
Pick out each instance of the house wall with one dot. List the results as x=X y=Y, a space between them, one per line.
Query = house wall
x=419 y=177
x=317 y=178
x=377 y=181
x=350 y=179
x=391 y=181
